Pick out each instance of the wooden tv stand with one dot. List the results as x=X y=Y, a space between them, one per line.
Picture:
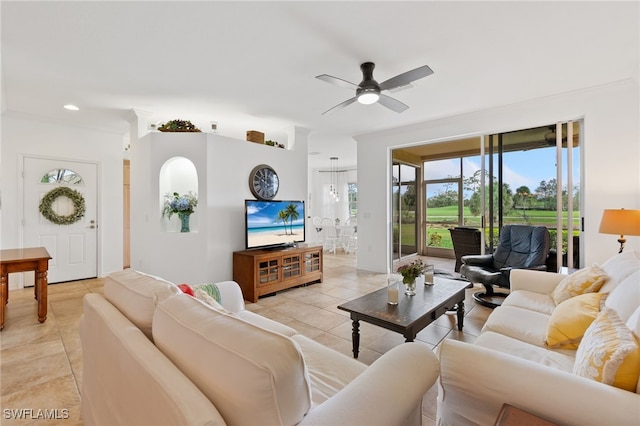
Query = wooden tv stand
x=261 y=272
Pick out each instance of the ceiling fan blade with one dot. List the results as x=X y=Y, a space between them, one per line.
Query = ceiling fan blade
x=392 y=103
x=337 y=81
x=340 y=106
x=406 y=78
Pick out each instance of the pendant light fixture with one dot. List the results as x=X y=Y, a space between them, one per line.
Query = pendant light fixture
x=333 y=187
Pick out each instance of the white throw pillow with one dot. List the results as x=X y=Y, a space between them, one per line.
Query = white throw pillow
x=625 y=298
x=620 y=267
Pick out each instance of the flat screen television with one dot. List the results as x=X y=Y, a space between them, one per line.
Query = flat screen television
x=273 y=223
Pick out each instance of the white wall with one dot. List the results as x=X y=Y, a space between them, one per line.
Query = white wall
x=25 y=136
x=611 y=160
x=223 y=166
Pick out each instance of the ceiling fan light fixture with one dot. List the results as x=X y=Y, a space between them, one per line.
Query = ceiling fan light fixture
x=368 y=98
x=368 y=91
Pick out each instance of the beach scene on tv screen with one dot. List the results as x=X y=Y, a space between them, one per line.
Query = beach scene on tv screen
x=274 y=222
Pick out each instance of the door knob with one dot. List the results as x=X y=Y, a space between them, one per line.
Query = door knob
x=91 y=226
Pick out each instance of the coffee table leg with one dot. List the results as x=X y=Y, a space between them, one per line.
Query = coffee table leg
x=460 y=314
x=355 y=337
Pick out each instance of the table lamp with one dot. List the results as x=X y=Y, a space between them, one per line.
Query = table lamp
x=620 y=222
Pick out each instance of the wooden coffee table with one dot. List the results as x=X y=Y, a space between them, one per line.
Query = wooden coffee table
x=412 y=313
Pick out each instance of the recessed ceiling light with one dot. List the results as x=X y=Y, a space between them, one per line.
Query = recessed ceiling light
x=71 y=107
x=314 y=153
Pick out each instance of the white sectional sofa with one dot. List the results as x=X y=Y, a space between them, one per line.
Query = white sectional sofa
x=510 y=362
x=153 y=355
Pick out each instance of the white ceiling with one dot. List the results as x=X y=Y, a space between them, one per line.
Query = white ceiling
x=251 y=65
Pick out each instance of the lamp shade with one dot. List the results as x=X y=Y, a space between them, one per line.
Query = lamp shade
x=620 y=222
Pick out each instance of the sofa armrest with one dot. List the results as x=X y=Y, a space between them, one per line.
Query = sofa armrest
x=478 y=259
x=536 y=281
x=231 y=296
x=386 y=393
x=476 y=381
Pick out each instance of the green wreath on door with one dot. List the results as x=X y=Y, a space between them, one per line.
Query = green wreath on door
x=62 y=191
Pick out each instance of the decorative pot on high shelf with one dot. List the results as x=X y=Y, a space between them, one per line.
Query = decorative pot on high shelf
x=184 y=221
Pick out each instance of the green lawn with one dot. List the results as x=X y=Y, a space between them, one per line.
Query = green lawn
x=443 y=218
x=535 y=217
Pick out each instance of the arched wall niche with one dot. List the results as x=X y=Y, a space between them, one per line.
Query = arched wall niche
x=177 y=174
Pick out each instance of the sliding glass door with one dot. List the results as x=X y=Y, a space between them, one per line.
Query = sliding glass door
x=443 y=207
x=535 y=181
x=404 y=208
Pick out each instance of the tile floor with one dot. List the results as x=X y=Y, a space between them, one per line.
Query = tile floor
x=41 y=364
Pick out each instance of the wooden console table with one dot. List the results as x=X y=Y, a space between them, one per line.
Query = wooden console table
x=24 y=260
x=262 y=272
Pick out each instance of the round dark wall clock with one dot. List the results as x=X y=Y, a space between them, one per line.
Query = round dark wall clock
x=264 y=182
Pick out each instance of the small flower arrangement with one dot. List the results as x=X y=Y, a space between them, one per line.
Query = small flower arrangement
x=411 y=271
x=181 y=204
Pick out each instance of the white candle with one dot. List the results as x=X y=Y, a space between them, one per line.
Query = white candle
x=428 y=275
x=392 y=294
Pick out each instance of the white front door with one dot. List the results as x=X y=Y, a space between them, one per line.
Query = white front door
x=73 y=247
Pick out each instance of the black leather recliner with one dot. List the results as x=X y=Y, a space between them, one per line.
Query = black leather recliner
x=520 y=247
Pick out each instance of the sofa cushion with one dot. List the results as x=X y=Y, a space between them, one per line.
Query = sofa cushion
x=136 y=295
x=205 y=296
x=587 y=280
x=522 y=324
x=571 y=318
x=560 y=359
x=252 y=375
x=620 y=267
x=634 y=322
x=265 y=322
x=625 y=297
x=330 y=371
x=609 y=352
x=530 y=300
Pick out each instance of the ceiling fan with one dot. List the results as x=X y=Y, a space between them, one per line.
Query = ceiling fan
x=369 y=91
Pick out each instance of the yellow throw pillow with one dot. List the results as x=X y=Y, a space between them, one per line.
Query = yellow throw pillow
x=570 y=319
x=587 y=280
x=609 y=352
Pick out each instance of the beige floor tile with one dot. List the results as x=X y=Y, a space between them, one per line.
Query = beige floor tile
x=17 y=374
x=29 y=331
x=433 y=334
x=30 y=351
x=55 y=396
